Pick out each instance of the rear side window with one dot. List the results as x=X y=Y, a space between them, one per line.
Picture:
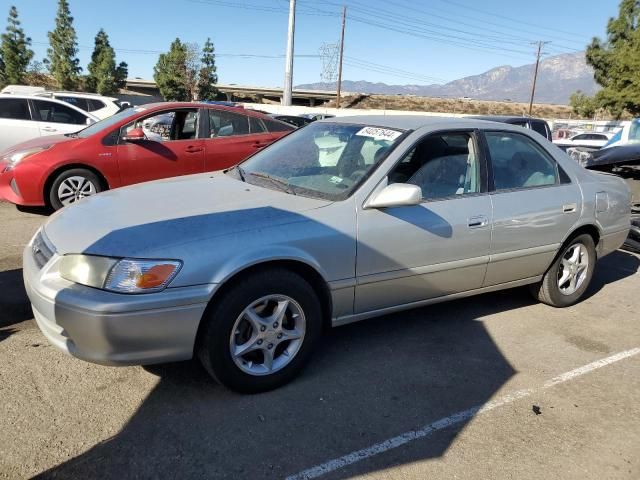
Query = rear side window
x=539 y=127
x=14 y=108
x=276 y=126
x=256 y=126
x=227 y=124
x=57 y=113
x=518 y=162
x=94 y=104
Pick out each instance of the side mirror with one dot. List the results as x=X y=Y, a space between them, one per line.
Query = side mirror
x=396 y=195
x=135 y=135
x=88 y=121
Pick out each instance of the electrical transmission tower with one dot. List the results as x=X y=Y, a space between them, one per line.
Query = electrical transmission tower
x=329 y=54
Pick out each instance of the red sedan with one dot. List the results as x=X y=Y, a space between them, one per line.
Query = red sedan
x=144 y=143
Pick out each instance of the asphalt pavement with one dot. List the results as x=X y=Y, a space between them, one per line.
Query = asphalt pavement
x=494 y=386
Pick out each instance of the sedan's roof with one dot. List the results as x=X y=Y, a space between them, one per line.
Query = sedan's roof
x=414 y=122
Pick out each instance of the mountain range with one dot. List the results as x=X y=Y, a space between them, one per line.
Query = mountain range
x=558 y=77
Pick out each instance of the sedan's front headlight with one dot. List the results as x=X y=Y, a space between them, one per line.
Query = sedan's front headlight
x=125 y=275
x=16 y=157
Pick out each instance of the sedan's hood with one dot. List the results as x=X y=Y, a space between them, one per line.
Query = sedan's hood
x=140 y=219
x=38 y=142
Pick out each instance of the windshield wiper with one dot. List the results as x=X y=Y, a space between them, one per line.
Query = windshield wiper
x=279 y=182
x=240 y=172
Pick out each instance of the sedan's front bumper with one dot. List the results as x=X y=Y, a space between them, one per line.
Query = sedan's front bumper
x=110 y=328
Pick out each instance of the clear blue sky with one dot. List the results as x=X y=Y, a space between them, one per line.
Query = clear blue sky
x=421 y=42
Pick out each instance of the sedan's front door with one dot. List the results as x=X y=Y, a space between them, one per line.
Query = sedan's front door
x=439 y=247
x=16 y=125
x=172 y=147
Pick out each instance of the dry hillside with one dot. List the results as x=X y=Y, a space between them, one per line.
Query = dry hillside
x=450 y=105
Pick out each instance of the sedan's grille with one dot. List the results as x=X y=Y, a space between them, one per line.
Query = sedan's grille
x=42 y=249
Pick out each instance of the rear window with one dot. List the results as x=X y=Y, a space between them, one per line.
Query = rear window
x=14 y=108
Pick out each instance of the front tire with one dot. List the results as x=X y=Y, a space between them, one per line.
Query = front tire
x=261 y=332
x=72 y=185
x=568 y=278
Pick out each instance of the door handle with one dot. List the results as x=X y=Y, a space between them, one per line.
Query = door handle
x=569 y=208
x=49 y=129
x=192 y=149
x=478 y=221
x=259 y=145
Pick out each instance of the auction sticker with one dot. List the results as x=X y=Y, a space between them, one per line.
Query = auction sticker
x=379 y=133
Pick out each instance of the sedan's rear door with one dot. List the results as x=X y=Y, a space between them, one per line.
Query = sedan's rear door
x=229 y=138
x=535 y=205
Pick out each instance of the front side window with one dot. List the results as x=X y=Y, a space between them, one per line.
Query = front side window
x=322 y=160
x=518 y=162
x=57 y=113
x=227 y=124
x=167 y=126
x=14 y=108
x=442 y=165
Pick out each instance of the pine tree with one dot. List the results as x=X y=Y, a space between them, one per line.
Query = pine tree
x=616 y=61
x=104 y=77
x=122 y=71
x=62 y=61
x=207 y=77
x=16 y=54
x=170 y=73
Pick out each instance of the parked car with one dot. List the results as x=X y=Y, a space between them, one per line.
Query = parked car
x=593 y=140
x=245 y=268
x=26 y=117
x=295 y=120
x=317 y=116
x=536 y=124
x=98 y=105
x=132 y=147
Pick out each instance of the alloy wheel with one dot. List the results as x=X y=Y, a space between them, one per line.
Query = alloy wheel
x=267 y=335
x=74 y=188
x=573 y=269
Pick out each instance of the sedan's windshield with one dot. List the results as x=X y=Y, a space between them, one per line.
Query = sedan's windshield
x=108 y=122
x=322 y=160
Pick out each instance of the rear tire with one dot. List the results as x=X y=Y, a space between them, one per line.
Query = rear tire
x=248 y=317
x=72 y=185
x=569 y=276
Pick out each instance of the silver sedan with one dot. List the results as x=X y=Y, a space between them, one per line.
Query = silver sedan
x=340 y=221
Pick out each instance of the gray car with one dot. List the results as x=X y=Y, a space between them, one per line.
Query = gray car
x=343 y=220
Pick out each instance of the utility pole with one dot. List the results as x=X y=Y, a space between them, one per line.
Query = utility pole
x=288 y=68
x=344 y=19
x=535 y=74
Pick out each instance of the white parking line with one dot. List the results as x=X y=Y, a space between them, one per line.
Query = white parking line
x=451 y=420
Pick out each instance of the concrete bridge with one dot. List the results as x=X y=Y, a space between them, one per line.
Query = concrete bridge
x=145 y=91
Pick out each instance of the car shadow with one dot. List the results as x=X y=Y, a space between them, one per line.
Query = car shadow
x=14 y=303
x=367 y=382
x=612 y=268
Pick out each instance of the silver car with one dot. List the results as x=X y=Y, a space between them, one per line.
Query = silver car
x=245 y=268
